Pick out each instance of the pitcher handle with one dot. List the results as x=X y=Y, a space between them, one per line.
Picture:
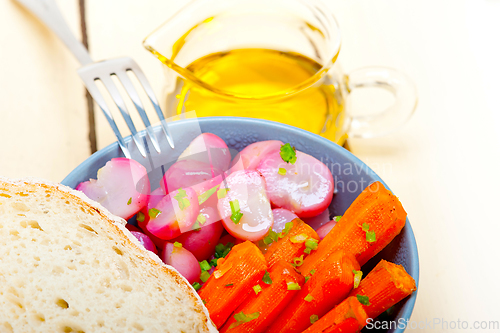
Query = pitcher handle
x=392 y=118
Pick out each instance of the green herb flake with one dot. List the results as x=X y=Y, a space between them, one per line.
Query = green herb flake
x=363 y=299
x=282 y=171
x=221 y=193
x=206 y=195
x=312 y=271
x=267 y=278
x=229 y=285
x=370 y=236
x=204 y=265
x=140 y=217
x=311 y=244
x=201 y=218
x=292 y=286
x=181 y=198
x=204 y=276
x=235 y=206
x=297 y=262
x=242 y=318
x=309 y=298
x=153 y=213
x=196 y=286
x=213 y=262
x=204 y=302
x=313 y=318
x=365 y=226
x=271 y=237
x=129 y=201
x=288 y=153
x=196 y=226
x=236 y=217
x=257 y=288
x=284 y=232
x=222 y=250
x=177 y=244
x=307 y=278
x=337 y=218
x=357 y=277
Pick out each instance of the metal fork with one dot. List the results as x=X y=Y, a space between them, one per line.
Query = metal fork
x=48 y=12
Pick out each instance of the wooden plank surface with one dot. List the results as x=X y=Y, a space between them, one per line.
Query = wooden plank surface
x=43 y=117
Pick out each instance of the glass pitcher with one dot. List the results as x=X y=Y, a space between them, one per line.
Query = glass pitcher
x=270 y=59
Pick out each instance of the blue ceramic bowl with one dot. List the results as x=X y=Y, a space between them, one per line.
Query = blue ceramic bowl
x=350 y=174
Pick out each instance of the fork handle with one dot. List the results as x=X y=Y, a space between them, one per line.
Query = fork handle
x=48 y=12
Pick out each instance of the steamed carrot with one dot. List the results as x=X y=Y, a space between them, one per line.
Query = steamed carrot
x=292 y=244
x=268 y=302
x=369 y=224
x=328 y=285
x=385 y=285
x=232 y=281
x=347 y=317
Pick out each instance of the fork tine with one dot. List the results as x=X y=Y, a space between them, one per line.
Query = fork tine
x=149 y=91
x=134 y=96
x=117 y=98
x=97 y=96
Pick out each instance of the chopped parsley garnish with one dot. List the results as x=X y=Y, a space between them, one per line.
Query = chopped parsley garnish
x=242 y=318
x=309 y=298
x=311 y=244
x=365 y=226
x=300 y=238
x=221 y=193
x=284 y=232
x=204 y=302
x=196 y=226
x=297 y=262
x=177 y=244
x=140 y=217
x=236 y=215
x=363 y=299
x=267 y=278
x=337 y=218
x=371 y=237
x=129 y=201
x=357 y=277
x=271 y=237
x=292 y=286
x=222 y=250
x=204 y=265
x=181 y=198
x=153 y=213
x=229 y=285
x=312 y=271
x=201 y=218
x=213 y=262
x=204 y=276
x=282 y=171
x=257 y=288
x=307 y=278
x=288 y=153
x=196 y=286
x=207 y=194
x=313 y=319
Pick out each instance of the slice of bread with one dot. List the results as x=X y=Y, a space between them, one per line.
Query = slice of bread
x=68 y=265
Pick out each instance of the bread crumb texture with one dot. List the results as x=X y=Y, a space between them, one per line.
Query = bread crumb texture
x=65 y=266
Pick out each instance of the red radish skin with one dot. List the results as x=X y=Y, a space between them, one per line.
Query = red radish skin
x=325 y=229
x=202 y=243
x=122 y=186
x=307 y=187
x=249 y=189
x=171 y=220
x=145 y=241
x=318 y=221
x=182 y=260
x=252 y=154
x=208 y=148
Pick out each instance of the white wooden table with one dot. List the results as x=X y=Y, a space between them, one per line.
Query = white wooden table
x=443 y=164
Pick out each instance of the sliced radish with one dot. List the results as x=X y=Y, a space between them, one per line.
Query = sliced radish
x=182 y=260
x=187 y=173
x=201 y=243
x=122 y=186
x=252 y=154
x=305 y=189
x=174 y=214
x=318 y=221
x=145 y=241
x=247 y=189
x=208 y=148
x=281 y=218
x=325 y=229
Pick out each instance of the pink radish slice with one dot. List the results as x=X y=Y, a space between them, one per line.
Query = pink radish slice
x=281 y=218
x=169 y=218
x=122 y=186
x=325 y=229
x=182 y=260
x=145 y=241
x=187 y=173
x=154 y=199
x=248 y=188
x=318 y=221
x=251 y=155
x=202 y=243
x=208 y=148
x=306 y=189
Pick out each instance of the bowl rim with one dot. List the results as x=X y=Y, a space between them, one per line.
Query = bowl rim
x=407 y=309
